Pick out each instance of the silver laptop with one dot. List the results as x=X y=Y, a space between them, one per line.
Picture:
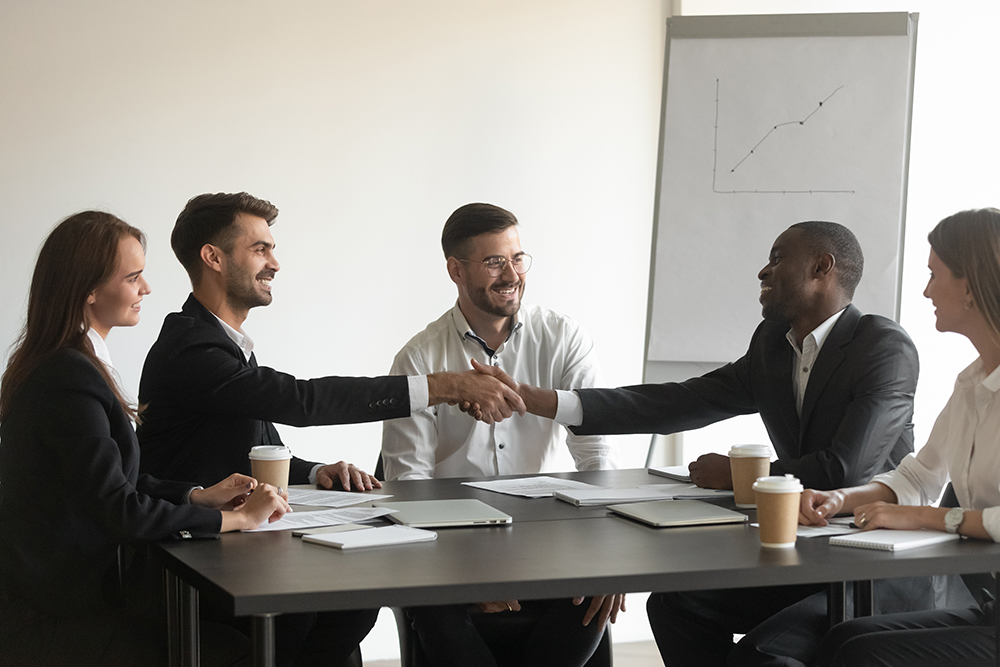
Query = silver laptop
x=445 y=513
x=666 y=513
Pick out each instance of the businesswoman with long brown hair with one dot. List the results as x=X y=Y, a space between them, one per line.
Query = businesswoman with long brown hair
x=72 y=501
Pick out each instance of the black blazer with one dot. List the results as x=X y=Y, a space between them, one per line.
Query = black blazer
x=207 y=405
x=71 y=492
x=856 y=415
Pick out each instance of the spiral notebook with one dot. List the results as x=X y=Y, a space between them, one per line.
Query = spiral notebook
x=892 y=540
x=376 y=537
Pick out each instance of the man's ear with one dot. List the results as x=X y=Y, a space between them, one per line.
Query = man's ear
x=212 y=257
x=455 y=270
x=825 y=264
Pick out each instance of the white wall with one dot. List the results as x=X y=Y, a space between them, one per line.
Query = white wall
x=368 y=121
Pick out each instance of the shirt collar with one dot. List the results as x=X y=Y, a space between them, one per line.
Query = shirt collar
x=100 y=348
x=465 y=331
x=820 y=333
x=975 y=375
x=243 y=341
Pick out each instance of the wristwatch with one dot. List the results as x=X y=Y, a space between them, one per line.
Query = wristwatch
x=953 y=519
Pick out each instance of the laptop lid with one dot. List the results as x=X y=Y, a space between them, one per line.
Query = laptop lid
x=666 y=513
x=445 y=513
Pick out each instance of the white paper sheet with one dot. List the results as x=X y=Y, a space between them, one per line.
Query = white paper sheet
x=530 y=487
x=323 y=518
x=321 y=498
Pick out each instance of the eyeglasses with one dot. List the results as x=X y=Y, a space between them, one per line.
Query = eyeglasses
x=497 y=265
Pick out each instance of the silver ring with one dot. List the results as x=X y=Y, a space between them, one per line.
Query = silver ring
x=281 y=490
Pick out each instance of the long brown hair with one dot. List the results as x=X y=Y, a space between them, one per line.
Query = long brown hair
x=79 y=256
x=969 y=244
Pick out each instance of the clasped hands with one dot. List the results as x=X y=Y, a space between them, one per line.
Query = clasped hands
x=489 y=409
x=602 y=607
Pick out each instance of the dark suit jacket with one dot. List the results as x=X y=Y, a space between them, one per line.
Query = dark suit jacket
x=71 y=492
x=856 y=416
x=207 y=405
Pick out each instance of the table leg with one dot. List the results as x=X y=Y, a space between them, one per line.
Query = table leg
x=864 y=598
x=183 y=647
x=262 y=636
x=836 y=602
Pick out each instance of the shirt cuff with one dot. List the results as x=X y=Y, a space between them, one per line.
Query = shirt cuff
x=314 y=472
x=187 y=496
x=569 y=408
x=419 y=393
x=991 y=522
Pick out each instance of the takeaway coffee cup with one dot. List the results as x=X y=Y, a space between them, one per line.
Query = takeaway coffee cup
x=269 y=464
x=778 y=510
x=748 y=462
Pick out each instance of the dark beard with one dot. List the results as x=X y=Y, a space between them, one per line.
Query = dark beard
x=481 y=300
x=240 y=292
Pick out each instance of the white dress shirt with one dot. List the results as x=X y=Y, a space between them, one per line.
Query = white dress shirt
x=805 y=358
x=545 y=349
x=964 y=447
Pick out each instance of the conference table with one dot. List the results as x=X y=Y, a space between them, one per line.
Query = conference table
x=552 y=549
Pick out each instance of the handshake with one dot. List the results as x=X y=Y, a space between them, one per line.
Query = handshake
x=488 y=394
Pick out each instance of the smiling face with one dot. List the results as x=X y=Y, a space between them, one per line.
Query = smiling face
x=784 y=282
x=949 y=295
x=117 y=302
x=250 y=265
x=498 y=296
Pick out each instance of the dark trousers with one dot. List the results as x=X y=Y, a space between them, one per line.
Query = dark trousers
x=695 y=629
x=555 y=637
x=917 y=639
x=328 y=638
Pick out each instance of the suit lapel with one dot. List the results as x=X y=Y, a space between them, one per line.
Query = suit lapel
x=829 y=359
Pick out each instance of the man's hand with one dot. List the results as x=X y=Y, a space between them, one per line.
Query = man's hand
x=498 y=606
x=816 y=507
x=346 y=476
x=228 y=494
x=603 y=607
x=487 y=396
x=711 y=471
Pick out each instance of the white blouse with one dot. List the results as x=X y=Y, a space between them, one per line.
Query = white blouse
x=964 y=447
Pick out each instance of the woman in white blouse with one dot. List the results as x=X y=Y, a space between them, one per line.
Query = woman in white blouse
x=964 y=448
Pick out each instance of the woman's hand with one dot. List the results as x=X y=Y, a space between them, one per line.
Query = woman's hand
x=264 y=504
x=228 y=494
x=898 y=517
x=816 y=507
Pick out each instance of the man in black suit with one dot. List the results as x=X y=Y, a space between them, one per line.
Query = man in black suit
x=833 y=387
x=208 y=402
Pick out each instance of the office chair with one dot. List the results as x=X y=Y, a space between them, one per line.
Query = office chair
x=498 y=630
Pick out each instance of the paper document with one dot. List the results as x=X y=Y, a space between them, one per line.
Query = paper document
x=323 y=498
x=323 y=518
x=530 y=487
x=837 y=526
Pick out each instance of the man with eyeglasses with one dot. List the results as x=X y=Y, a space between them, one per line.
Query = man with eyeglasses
x=490 y=324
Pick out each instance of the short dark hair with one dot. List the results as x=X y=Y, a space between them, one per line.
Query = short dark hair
x=210 y=218
x=839 y=241
x=470 y=221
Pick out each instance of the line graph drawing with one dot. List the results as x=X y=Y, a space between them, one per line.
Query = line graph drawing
x=774 y=128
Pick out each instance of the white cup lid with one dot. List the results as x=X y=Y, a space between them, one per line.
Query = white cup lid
x=786 y=484
x=750 y=451
x=270 y=453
